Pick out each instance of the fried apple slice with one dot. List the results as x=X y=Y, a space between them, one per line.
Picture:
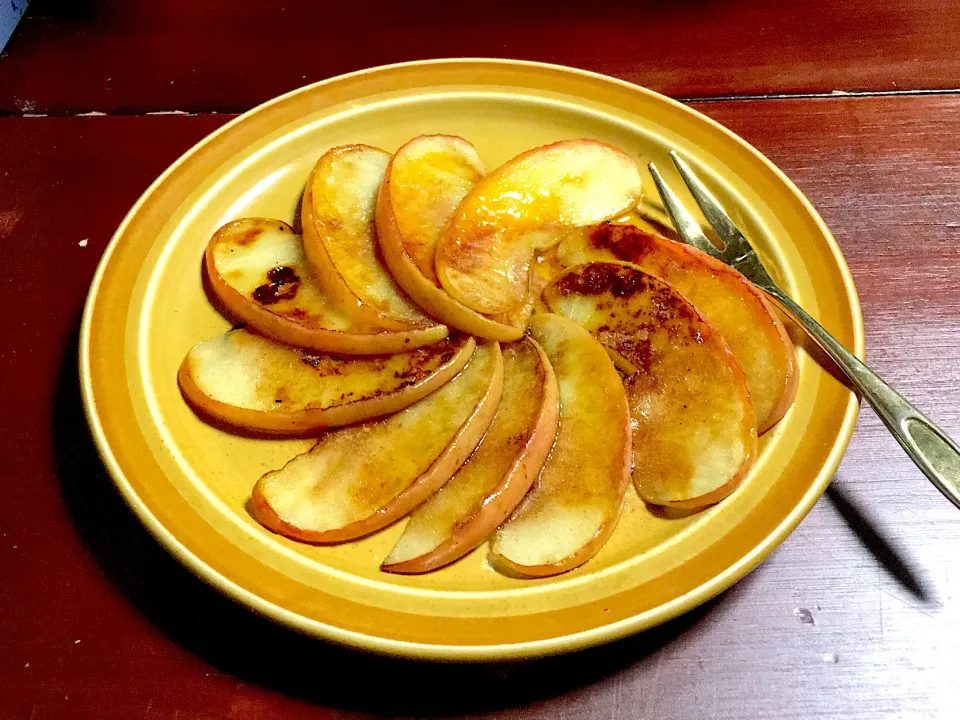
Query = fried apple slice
x=544 y=268
x=483 y=258
x=694 y=427
x=258 y=271
x=725 y=298
x=426 y=180
x=339 y=234
x=359 y=479
x=484 y=492
x=424 y=183
x=251 y=382
x=575 y=503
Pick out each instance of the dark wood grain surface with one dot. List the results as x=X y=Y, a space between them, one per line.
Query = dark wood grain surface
x=135 y=56
x=857 y=615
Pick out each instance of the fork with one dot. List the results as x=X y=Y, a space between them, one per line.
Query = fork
x=933 y=451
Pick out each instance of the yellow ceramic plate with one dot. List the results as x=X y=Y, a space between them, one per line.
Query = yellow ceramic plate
x=190 y=483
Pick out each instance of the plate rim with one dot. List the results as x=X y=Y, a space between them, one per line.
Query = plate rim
x=471 y=653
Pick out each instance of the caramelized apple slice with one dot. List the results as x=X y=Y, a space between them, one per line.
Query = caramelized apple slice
x=695 y=431
x=466 y=510
x=725 y=298
x=254 y=383
x=339 y=203
x=483 y=258
x=544 y=268
x=426 y=180
x=359 y=479
x=575 y=503
x=258 y=271
x=424 y=183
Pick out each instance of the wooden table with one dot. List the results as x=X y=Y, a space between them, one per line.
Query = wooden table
x=855 y=616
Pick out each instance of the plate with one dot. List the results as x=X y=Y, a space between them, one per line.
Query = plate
x=190 y=483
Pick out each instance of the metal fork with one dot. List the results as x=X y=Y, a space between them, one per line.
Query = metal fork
x=933 y=451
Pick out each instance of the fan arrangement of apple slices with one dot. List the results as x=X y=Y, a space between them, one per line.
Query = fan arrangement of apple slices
x=484 y=353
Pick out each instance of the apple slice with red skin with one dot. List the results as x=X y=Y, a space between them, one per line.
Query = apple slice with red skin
x=258 y=270
x=253 y=383
x=733 y=305
x=527 y=204
x=423 y=186
x=694 y=427
x=339 y=235
x=576 y=501
x=490 y=485
x=359 y=479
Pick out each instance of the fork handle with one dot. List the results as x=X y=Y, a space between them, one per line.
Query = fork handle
x=933 y=451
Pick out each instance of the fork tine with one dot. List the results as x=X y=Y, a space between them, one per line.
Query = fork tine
x=733 y=240
x=683 y=221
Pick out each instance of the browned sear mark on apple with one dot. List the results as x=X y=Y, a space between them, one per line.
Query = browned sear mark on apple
x=421 y=364
x=623 y=282
x=325 y=364
x=283 y=283
x=599 y=278
x=282 y=396
x=635 y=348
x=282 y=274
x=627 y=242
x=664 y=321
x=247 y=237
